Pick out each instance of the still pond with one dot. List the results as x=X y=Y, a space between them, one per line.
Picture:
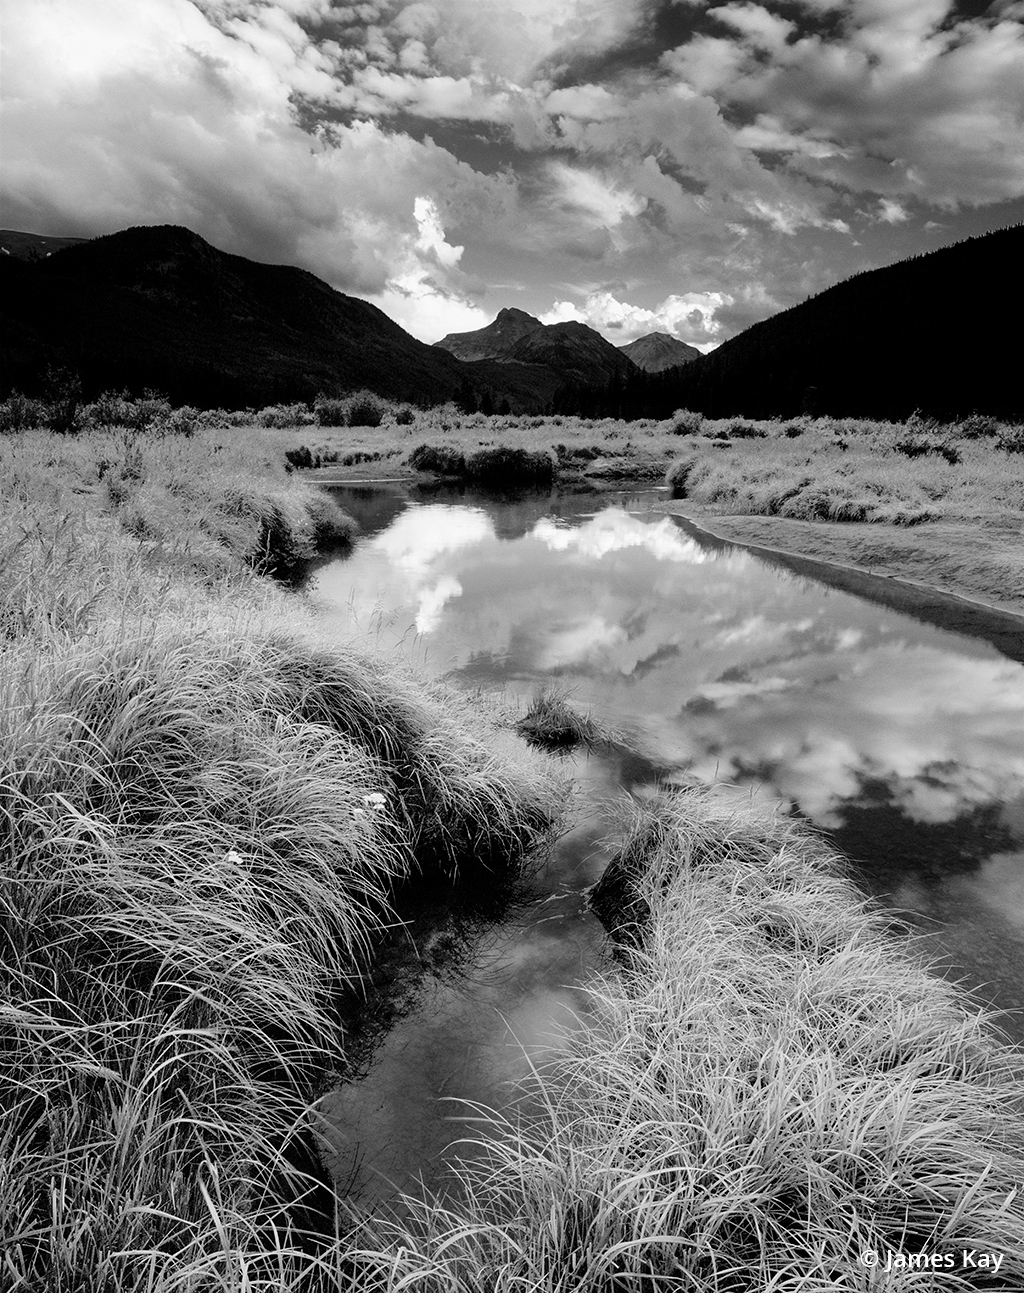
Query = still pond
x=901 y=739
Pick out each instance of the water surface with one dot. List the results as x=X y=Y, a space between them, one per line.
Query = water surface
x=904 y=740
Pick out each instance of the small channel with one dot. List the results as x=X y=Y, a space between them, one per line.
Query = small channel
x=900 y=738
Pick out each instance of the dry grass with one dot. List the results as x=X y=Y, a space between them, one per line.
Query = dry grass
x=205 y=811
x=847 y=470
x=770 y=1086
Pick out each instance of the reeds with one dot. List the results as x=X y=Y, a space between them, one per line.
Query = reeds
x=852 y=470
x=768 y=1088
x=205 y=812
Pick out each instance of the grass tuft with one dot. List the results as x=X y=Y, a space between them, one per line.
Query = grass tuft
x=767 y=1087
x=206 y=813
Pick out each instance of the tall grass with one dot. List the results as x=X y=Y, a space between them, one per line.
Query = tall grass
x=203 y=504
x=205 y=813
x=851 y=470
x=769 y=1086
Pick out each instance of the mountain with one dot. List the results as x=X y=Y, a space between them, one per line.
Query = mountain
x=32 y=246
x=578 y=353
x=657 y=351
x=494 y=341
x=159 y=307
x=934 y=333
x=573 y=352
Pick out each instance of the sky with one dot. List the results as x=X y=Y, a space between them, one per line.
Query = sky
x=679 y=166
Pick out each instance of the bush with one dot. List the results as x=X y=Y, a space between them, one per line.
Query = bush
x=977 y=426
x=405 y=416
x=114 y=409
x=1011 y=439
x=185 y=421
x=745 y=431
x=64 y=411
x=20 y=413
x=365 y=410
x=278 y=416
x=686 y=422
x=506 y=466
x=440 y=459
x=330 y=412
x=792 y=431
x=302 y=457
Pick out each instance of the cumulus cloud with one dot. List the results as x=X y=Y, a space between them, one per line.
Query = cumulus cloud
x=691 y=190
x=934 y=102
x=614 y=530
x=691 y=317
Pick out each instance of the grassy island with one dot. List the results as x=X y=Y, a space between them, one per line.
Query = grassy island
x=208 y=811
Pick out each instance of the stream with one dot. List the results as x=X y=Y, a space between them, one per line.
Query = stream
x=901 y=739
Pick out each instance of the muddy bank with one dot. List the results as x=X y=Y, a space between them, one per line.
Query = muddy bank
x=942 y=572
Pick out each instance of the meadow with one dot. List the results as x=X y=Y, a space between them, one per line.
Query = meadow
x=936 y=503
x=209 y=813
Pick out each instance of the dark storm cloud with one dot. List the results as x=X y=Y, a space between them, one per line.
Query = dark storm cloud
x=681 y=165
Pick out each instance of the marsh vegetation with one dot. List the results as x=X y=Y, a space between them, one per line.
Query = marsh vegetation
x=769 y=1086
x=207 y=812
x=208 y=808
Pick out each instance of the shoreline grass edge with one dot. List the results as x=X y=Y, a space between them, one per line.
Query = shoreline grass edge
x=768 y=1087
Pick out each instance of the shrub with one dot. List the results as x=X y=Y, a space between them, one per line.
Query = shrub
x=744 y=431
x=185 y=421
x=122 y=409
x=686 y=422
x=507 y=466
x=1011 y=439
x=793 y=430
x=330 y=412
x=440 y=459
x=977 y=426
x=20 y=413
x=365 y=410
x=278 y=416
x=302 y=457
x=64 y=413
x=405 y=416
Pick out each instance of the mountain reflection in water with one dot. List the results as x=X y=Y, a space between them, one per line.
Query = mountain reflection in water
x=904 y=741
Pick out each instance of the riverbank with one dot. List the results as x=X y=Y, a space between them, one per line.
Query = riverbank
x=936 y=506
x=940 y=506
x=771 y=1093
x=210 y=810
x=208 y=813
x=981 y=566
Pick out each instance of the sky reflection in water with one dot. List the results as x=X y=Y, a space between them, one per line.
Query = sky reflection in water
x=732 y=668
x=904 y=740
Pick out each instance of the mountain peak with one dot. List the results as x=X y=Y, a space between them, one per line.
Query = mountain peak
x=658 y=350
x=492 y=342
